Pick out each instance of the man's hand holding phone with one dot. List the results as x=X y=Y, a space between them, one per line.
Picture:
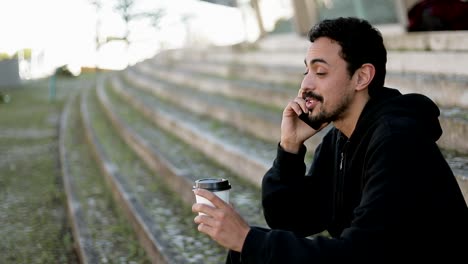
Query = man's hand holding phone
x=296 y=127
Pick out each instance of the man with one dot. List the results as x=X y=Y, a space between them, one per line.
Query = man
x=378 y=185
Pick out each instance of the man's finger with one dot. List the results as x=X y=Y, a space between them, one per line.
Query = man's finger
x=205 y=229
x=302 y=105
x=203 y=208
x=204 y=219
x=217 y=202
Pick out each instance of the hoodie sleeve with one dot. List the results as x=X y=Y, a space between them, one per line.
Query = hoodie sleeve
x=278 y=246
x=295 y=201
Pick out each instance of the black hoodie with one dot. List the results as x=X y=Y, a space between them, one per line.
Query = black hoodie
x=385 y=195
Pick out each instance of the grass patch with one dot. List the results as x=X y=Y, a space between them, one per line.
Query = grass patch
x=34 y=226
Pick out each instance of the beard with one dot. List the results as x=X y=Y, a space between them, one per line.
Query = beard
x=328 y=116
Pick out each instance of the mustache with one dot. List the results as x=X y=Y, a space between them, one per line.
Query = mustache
x=312 y=95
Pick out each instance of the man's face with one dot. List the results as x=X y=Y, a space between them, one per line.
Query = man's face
x=327 y=86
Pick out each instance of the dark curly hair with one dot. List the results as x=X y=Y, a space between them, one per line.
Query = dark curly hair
x=360 y=43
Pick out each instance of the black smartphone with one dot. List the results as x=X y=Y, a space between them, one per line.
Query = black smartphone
x=305 y=117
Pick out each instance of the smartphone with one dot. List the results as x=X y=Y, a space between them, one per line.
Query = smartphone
x=305 y=117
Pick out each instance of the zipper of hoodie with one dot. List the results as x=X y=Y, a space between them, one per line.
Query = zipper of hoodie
x=340 y=184
x=341 y=162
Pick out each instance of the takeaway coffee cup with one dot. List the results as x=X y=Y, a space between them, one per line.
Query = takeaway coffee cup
x=220 y=187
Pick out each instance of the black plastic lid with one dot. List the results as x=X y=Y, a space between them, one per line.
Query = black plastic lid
x=213 y=184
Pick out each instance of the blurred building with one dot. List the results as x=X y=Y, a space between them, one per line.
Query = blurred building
x=9 y=75
x=231 y=3
x=388 y=15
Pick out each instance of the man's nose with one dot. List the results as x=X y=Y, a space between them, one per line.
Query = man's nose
x=307 y=84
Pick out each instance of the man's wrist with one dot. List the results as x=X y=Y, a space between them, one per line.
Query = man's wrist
x=291 y=148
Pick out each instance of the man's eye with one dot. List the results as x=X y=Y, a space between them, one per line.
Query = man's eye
x=306 y=72
x=321 y=73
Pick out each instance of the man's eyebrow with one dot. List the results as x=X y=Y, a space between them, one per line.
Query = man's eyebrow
x=312 y=61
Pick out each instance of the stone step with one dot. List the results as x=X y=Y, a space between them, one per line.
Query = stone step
x=233 y=86
x=240 y=153
x=430 y=62
x=429 y=41
x=183 y=157
x=278 y=75
x=82 y=236
x=422 y=41
x=172 y=132
x=93 y=215
x=423 y=72
x=178 y=179
x=196 y=75
x=250 y=117
x=159 y=219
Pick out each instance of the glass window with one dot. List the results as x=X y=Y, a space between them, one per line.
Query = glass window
x=375 y=11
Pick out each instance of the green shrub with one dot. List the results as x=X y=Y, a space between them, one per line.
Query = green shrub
x=26 y=53
x=4 y=56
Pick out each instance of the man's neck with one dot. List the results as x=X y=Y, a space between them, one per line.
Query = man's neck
x=347 y=124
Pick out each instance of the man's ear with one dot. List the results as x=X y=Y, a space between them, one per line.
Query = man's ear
x=365 y=74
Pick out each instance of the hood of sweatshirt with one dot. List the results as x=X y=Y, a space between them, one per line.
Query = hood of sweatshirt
x=415 y=112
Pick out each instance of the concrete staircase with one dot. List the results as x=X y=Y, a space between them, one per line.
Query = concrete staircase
x=193 y=113
x=431 y=63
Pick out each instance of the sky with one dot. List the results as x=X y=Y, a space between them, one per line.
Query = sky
x=63 y=31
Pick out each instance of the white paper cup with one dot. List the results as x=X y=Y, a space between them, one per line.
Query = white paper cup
x=220 y=187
